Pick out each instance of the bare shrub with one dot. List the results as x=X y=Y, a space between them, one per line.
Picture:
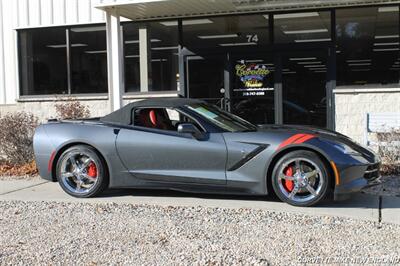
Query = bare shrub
x=28 y=169
x=72 y=109
x=388 y=148
x=16 y=137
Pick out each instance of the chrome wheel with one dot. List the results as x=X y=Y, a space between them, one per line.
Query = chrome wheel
x=300 y=180
x=79 y=172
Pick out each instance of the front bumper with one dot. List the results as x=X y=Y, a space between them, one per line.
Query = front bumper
x=355 y=178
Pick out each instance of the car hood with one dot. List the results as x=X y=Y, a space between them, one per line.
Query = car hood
x=326 y=135
x=303 y=129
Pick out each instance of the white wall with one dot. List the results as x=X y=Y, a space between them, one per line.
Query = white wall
x=352 y=105
x=16 y=14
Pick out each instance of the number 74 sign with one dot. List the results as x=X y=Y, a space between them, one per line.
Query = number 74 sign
x=252 y=38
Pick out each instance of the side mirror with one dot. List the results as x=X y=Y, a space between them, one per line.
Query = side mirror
x=191 y=129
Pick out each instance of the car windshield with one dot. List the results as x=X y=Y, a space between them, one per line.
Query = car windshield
x=222 y=119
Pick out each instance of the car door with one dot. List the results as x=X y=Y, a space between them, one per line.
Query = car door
x=168 y=156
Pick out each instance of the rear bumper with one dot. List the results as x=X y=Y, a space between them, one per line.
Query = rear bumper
x=355 y=179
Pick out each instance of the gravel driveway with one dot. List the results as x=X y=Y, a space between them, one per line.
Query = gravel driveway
x=93 y=234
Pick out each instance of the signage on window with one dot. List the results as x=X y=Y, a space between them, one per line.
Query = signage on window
x=252 y=79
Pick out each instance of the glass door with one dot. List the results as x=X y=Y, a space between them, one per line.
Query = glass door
x=304 y=93
x=205 y=78
x=253 y=88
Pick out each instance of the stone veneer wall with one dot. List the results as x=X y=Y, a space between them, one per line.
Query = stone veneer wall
x=44 y=108
x=352 y=105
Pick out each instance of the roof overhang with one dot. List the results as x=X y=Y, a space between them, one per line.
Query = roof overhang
x=138 y=10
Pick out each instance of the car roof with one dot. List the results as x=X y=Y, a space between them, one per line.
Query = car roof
x=124 y=115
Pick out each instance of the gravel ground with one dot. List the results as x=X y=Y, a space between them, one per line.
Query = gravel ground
x=95 y=234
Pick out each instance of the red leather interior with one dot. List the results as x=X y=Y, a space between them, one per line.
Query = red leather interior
x=153 y=118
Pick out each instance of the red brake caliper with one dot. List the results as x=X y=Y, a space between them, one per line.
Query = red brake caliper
x=92 y=170
x=288 y=184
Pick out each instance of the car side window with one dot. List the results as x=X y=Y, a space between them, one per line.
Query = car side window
x=160 y=118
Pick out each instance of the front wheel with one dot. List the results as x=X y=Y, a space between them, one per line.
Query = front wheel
x=81 y=172
x=300 y=178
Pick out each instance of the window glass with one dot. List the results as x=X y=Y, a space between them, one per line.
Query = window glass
x=222 y=119
x=131 y=57
x=302 y=27
x=304 y=87
x=88 y=59
x=43 y=61
x=253 y=91
x=162 y=55
x=161 y=118
x=367 y=45
x=226 y=32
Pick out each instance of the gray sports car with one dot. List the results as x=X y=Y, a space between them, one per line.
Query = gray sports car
x=189 y=145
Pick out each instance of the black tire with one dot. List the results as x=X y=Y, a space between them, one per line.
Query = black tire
x=102 y=178
x=309 y=160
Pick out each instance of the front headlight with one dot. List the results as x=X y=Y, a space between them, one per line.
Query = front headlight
x=346 y=149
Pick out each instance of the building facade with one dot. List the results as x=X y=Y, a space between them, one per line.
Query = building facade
x=323 y=63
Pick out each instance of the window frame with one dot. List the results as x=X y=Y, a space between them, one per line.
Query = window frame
x=169 y=132
x=69 y=94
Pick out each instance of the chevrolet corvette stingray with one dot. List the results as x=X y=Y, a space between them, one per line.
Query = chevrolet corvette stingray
x=189 y=145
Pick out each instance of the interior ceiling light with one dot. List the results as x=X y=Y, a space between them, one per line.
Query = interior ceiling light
x=305 y=31
x=218 y=36
x=302 y=58
x=132 y=56
x=253 y=61
x=386 y=49
x=360 y=70
x=314 y=40
x=314 y=66
x=186 y=22
x=295 y=15
x=388 y=9
x=165 y=48
x=64 y=45
x=137 y=41
x=238 y=44
x=89 y=29
x=309 y=62
x=96 y=52
x=360 y=64
x=386 y=43
x=358 y=60
x=386 y=36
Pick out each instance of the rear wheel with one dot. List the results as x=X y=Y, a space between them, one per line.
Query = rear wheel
x=81 y=172
x=300 y=178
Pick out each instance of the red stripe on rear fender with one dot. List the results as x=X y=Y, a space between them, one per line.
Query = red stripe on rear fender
x=50 y=165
